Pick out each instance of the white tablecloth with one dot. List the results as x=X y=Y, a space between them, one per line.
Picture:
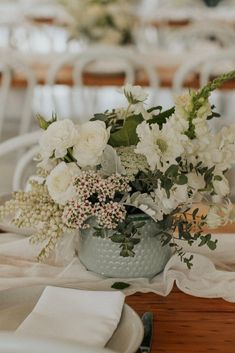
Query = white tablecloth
x=212 y=275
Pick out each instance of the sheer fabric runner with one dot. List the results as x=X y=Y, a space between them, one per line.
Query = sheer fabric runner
x=212 y=275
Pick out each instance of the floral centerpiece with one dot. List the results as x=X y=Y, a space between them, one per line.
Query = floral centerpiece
x=131 y=163
x=101 y=21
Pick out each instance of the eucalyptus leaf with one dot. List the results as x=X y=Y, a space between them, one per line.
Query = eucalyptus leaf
x=111 y=162
x=120 y=285
x=117 y=238
x=182 y=179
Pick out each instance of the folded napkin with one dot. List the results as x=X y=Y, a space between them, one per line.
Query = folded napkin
x=88 y=317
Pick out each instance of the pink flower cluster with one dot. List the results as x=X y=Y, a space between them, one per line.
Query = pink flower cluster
x=91 y=183
x=95 y=197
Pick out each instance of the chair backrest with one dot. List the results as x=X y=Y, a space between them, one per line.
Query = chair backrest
x=220 y=62
x=101 y=61
x=189 y=68
x=204 y=36
x=10 y=64
x=205 y=67
x=15 y=144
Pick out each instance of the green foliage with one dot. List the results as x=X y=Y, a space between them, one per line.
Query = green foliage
x=189 y=227
x=127 y=236
x=43 y=123
x=162 y=117
x=120 y=285
x=127 y=135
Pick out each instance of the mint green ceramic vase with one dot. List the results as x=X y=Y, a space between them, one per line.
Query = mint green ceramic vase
x=102 y=256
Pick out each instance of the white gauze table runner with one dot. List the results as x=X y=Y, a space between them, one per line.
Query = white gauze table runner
x=212 y=275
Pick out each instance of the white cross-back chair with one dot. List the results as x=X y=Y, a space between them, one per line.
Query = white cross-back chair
x=10 y=64
x=220 y=62
x=189 y=69
x=102 y=60
x=29 y=144
x=205 y=67
x=202 y=34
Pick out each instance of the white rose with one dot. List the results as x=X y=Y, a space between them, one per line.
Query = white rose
x=221 y=187
x=59 y=182
x=58 y=137
x=92 y=140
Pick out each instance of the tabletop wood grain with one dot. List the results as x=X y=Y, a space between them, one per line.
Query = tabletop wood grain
x=64 y=77
x=187 y=324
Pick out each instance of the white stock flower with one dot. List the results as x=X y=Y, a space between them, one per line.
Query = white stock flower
x=178 y=196
x=160 y=147
x=221 y=186
x=205 y=110
x=220 y=215
x=201 y=128
x=183 y=105
x=134 y=94
x=195 y=181
x=217 y=149
x=58 y=137
x=213 y=219
x=60 y=182
x=91 y=142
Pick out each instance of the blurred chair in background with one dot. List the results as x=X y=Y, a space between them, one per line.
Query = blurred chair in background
x=99 y=62
x=11 y=66
x=20 y=169
x=201 y=36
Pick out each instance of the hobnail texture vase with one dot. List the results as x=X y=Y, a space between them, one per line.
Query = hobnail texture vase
x=102 y=255
x=212 y=3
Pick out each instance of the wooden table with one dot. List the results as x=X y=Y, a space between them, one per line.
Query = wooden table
x=165 y=74
x=187 y=324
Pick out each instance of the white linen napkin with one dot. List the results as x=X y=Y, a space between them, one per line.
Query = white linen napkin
x=88 y=317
